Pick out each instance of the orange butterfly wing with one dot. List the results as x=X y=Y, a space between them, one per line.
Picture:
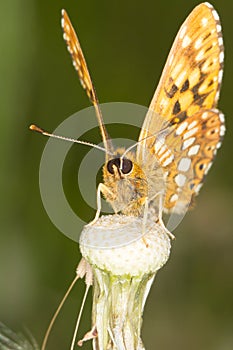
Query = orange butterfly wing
x=189 y=86
x=80 y=66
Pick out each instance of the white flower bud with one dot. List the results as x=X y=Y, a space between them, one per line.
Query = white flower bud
x=117 y=244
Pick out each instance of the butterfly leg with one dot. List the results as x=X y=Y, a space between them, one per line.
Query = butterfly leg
x=92 y=334
x=101 y=189
x=144 y=220
x=145 y=215
x=160 y=216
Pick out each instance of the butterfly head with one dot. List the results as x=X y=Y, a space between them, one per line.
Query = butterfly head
x=126 y=183
x=122 y=165
x=119 y=167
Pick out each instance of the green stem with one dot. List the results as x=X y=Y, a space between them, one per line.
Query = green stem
x=118 y=304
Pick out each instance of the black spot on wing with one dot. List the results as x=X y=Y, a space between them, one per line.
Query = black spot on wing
x=176 y=108
x=204 y=126
x=199 y=99
x=182 y=116
x=201 y=166
x=185 y=86
x=172 y=91
x=208 y=48
x=196 y=88
x=179 y=118
x=210 y=83
x=207 y=36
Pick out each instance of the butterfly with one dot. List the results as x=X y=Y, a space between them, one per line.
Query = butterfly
x=179 y=138
x=182 y=129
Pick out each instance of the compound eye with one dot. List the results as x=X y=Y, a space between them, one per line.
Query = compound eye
x=116 y=162
x=127 y=166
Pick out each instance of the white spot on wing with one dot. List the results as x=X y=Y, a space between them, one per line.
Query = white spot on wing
x=208 y=5
x=177 y=69
x=170 y=59
x=182 y=32
x=165 y=155
x=208 y=65
x=221 y=56
x=208 y=168
x=215 y=15
x=69 y=49
x=220 y=74
x=174 y=197
x=180 y=180
x=186 y=41
x=180 y=78
x=188 y=142
x=204 y=21
x=162 y=150
x=164 y=102
x=200 y=55
x=221 y=117
x=220 y=41
x=214 y=43
x=222 y=130
x=198 y=43
x=158 y=144
x=184 y=164
x=82 y=83
x=168 y=160
x=204 y=115
x=197 y=189
x=77 y=62
x=65 y=37
x=181 y=128
x=217 y=96
x=218 y=27
x=190 y=133
x=191 y=125
x=193 y=150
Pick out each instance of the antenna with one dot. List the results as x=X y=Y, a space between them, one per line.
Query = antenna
x=82 y=270
x=57 y=312
x=161 y=133
x=46 y=133
x=79 y=317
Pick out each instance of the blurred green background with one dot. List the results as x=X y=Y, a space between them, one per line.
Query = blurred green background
x=126 y=44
